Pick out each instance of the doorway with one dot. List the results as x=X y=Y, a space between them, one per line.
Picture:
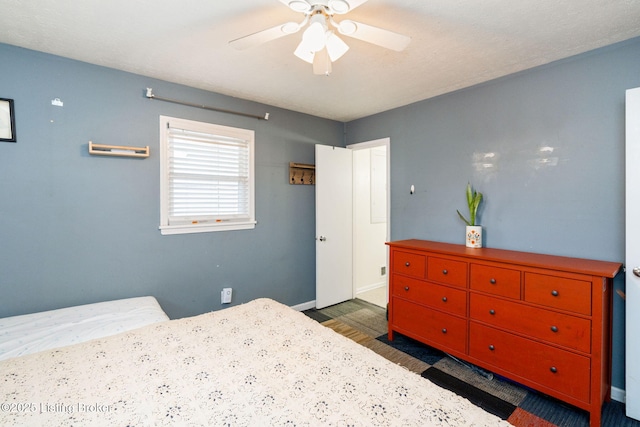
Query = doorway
x=371 y=220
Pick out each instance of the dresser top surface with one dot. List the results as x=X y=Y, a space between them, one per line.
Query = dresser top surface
x=576 y=265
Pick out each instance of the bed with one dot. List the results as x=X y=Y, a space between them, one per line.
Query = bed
x=29 y=333
x=256 y=364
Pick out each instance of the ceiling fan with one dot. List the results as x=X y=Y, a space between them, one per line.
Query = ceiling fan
x=320 y=45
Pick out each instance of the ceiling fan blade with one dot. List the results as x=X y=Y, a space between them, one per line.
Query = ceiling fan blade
x=374 y=35
x=264 y=36
x=297 y=5
x=353 y=3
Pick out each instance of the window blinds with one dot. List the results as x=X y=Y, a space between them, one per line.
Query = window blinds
x=208 y=177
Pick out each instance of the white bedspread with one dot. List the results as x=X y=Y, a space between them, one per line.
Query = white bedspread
x=29 y=333
x=257 y=364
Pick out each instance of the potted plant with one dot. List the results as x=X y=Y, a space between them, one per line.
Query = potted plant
x=474 y=231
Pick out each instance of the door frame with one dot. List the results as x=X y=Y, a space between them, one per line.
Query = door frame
x=386 y=142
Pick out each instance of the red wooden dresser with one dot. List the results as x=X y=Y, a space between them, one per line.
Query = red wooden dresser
x=541 y=320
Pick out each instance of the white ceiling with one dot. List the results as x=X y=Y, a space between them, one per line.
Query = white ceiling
x=455 y=44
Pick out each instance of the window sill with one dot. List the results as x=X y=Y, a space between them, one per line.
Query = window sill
x=166 y=230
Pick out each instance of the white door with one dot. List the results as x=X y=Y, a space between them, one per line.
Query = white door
x=334 y=225
x=632 y=257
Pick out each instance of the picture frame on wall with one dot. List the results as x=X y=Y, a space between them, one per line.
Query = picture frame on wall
x=7 y=121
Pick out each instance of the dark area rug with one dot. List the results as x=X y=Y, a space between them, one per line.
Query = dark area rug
x=476 y=396
x=414 y=348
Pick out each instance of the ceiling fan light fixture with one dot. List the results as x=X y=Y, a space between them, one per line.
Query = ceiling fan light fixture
x=299 y=6
x=336 y=47
x=314 y=36
x=304 y=53
x=339 y=6
x=322 y=63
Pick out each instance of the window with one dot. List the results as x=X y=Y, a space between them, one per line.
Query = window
x=206 y=174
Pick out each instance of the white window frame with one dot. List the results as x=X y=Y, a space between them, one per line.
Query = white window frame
x=202 y=225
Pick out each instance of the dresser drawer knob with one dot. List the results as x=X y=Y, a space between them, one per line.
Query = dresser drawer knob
x=406 y=288
x=444 y=299
x=407 y=264
x=553 y=369
x=445 y=271
x=492 y=281
x=492 y=312
x=491 y=347
x=444 y=330
x=555 y=293
x=554 y=329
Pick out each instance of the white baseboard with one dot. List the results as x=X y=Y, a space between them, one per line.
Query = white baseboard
x=618 y=394
x=304 y=306
x=371 y=287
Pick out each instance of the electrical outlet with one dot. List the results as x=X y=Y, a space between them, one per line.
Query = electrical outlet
x=383 y=270
x=225 y=296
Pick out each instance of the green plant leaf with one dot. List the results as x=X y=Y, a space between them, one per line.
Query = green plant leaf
x=473 y=209
x=462 y=217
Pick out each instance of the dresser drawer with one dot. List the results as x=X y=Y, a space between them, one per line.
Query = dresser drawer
x=433 y=327
x=447 y=271
x=558 y=292
x=560 y=370
x=556 y=328
x=441 y=297
x=496 y=280
x=411 y=264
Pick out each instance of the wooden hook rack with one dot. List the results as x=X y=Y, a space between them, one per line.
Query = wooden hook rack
x=302 y=174
x=118 y=150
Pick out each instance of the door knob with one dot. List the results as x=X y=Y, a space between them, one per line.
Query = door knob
x=323 y=239
x=636 y=271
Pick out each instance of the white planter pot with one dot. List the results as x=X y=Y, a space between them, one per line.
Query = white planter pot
x=474 y=236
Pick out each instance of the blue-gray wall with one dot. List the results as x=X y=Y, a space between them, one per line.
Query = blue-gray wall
x=567 y=202
x=77 y=229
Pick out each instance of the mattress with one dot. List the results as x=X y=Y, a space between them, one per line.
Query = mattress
x=30 y=333
x=256 y=364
